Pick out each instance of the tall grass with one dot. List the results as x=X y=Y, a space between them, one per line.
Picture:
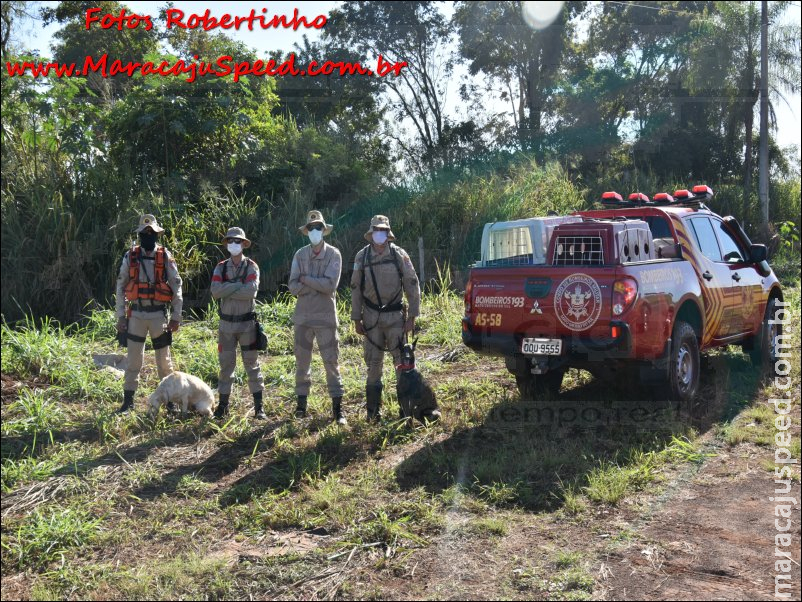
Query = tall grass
x=61 y=253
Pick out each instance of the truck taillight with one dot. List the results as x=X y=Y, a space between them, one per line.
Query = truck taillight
x=625 y=291
x=468 y=296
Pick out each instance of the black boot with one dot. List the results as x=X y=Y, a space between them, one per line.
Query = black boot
x=222 y=406
x=300 y=407
x=258 y=412
x=373 y=397
x=128 y=402
x=336 y=407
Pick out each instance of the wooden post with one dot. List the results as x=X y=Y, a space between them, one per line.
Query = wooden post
x=421 y=271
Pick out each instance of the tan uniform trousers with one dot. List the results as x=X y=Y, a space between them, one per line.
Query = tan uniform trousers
x=384 y=331
x=142 y=324
x=227 y=354
x=328 y=341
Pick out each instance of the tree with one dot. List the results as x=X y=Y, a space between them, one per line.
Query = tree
x=416 y=33
x=74 y=43
x=727 y=56
x=497 y=41
x=12 y=14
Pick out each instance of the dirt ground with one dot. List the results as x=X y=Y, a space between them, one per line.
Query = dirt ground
x=707 y=534
x=710 y=540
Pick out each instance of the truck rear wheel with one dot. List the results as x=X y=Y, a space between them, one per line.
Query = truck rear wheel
x=683 y=370
x=540 y=386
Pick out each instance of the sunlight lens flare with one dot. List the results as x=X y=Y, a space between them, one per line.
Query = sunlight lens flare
x=539 y=15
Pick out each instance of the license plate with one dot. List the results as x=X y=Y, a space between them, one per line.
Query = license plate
x=542 y=346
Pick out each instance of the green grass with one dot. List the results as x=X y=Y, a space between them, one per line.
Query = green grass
x=568 y=559
x=128 y=487
x=47 y=536
x=607 y=484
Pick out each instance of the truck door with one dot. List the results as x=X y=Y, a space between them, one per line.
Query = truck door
x=716 y=279
x=746 y=283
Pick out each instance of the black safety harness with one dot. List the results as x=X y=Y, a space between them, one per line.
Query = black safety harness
x=398 y=305
x=382 y=307
x=246 y=317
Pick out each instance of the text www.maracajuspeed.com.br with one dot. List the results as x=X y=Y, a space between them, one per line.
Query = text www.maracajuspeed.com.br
x=222 y=67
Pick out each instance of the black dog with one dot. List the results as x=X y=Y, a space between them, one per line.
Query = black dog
x=416 y=397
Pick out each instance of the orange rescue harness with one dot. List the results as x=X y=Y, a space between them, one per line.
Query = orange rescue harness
x=158 y=290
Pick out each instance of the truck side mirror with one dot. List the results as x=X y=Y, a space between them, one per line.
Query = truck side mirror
x=758 y=253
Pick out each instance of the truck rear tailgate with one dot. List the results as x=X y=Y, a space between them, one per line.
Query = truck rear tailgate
x=508 y=305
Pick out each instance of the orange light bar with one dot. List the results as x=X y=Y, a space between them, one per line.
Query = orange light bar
x=638 y=196
x=612 y=195
x=614 y=331
x=702 y=189
x=682 y=194
x=664 y=196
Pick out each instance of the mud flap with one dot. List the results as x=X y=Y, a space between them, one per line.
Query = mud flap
x=657 y=372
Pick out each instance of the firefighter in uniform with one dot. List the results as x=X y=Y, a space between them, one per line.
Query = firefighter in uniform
x=383 y=273
x=148 y=282
x=235 y=282
x=314 y=277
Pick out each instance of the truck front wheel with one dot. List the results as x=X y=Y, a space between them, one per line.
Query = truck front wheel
x=540 y=386
x=683 y=371
x=763 y=347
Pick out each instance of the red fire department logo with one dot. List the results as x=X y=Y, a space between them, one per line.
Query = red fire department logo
x=578 y=302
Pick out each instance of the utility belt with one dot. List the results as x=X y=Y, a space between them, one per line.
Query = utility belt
x=238 y=317
x=137 y=306
x=398 y=306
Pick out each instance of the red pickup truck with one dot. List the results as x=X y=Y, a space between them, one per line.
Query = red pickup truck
x=642 y=284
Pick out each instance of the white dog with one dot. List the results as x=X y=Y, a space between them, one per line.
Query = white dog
x=183 y=387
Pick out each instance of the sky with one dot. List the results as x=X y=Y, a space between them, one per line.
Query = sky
x=265 y=41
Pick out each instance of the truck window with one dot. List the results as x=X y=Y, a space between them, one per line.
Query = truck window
x=729 y=247
x=512 y=244
x=706 y=238
x=658 y=226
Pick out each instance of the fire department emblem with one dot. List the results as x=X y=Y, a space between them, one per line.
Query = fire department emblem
x=578 y=302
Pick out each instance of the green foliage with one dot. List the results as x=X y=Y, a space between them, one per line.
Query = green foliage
x=36 y=412
x=48 y=536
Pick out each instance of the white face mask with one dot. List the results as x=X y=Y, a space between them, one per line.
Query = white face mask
x=235 y=249
x=315 y=236
x=379 y=236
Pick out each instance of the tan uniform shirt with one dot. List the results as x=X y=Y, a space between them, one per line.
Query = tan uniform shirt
x=390 y=286
x=236 y=288
x=316 y=305
x=146 y=274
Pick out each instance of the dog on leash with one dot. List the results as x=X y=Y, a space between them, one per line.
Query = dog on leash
x=181 y=387
x=416 y=398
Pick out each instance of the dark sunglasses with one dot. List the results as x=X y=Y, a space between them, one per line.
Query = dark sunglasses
x=236 y=241
x=315 y=227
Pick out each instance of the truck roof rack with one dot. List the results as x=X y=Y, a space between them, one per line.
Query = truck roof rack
x=693 y=199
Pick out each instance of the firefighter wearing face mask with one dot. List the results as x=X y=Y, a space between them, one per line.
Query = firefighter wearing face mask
x=383 y=274
x=314 y=277
x=235 y=283
x=148 y=282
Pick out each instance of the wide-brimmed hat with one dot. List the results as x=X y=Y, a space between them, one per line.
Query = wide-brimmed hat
x=237 y=233
x=148 y=221
x=315 y=217
x=379 y=222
